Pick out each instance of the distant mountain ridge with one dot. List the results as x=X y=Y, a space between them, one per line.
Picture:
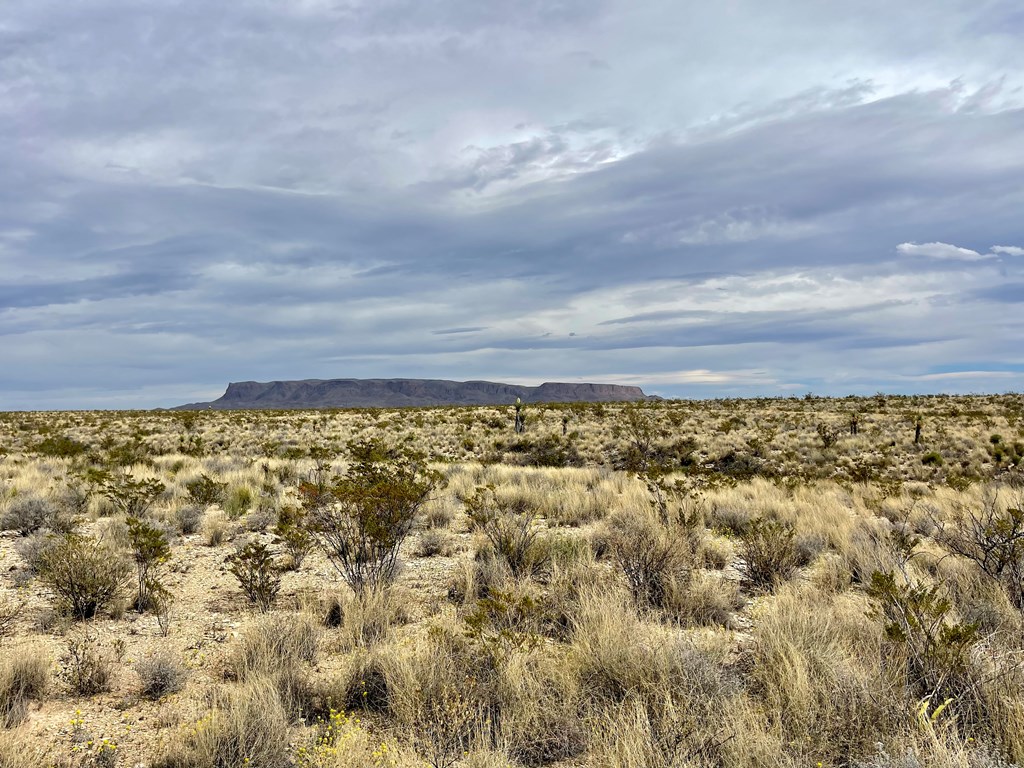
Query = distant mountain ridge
x=397 y=393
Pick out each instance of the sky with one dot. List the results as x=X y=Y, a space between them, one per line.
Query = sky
x=703 y=199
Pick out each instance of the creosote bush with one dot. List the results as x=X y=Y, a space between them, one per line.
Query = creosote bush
x=258 y=574
x=919 y=622
x=770 y=553
x=509 y=526
x=292 y=532
x=150 y=550
x=131 y=496
x=204 y=491
x=86 y=575
x=992 y=537
x=362 y=517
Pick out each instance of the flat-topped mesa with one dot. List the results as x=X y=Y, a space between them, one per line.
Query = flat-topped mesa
x=397 y=393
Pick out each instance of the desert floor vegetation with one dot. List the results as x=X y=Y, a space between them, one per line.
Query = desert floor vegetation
x=776 y=582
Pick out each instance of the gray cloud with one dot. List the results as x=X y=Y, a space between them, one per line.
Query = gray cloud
x=718 y=199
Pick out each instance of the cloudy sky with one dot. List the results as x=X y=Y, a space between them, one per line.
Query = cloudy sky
x=705 y=199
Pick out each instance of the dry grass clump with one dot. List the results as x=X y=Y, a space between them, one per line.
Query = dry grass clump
x=189 y=518
x=216 y=528
x=442 y=694
x=433 y=542
x=656 y=699
x=24 y=678
x=280 y=648
x=453 y=694
x=365 y=619
x=615 y=653
x=705 y=599
x=16 y=751
x=247 y=725
x=439 y=512
x=820 y=676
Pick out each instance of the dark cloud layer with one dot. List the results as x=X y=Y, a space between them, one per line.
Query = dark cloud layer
x=728 y=199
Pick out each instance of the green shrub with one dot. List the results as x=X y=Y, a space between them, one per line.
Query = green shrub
x=737 y=465
x=258 y=574
x=130 y=496
x=770 y=553
x=85 y=574
x=61 y=447
x=659 y=457
x=292 y=533
x=918 y=620
x=509 y=524
x=149 y=549
x=362 y=517
x=547 y=451
x=636 y=424
x=506 y=621
x=129 y=453
x=204 y=491
x=829 y=435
